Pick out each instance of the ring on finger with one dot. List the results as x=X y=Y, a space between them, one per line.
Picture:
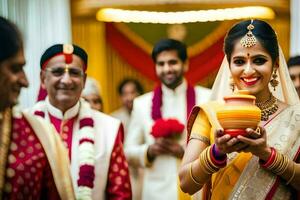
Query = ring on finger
x=257 y=130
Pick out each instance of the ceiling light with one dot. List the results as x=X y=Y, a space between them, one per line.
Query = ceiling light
x=120 y=15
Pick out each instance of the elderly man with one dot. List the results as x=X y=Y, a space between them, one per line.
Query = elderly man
x=94 y=140
x=33 y=161
x=153 y=141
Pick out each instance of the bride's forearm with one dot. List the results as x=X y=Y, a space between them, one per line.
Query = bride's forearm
x=192 y=177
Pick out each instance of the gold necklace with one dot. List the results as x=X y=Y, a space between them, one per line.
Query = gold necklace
x=4 y=146
x=267 y=107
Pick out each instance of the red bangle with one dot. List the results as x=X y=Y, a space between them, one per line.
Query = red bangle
x=218 y=161
x=270 y=160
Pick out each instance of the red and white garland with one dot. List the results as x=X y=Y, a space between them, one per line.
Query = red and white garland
x=86 y=149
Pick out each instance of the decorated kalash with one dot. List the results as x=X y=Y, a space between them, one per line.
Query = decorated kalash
x=238 y=113
x=33 y=160
x=94 y=140
x=244 y=143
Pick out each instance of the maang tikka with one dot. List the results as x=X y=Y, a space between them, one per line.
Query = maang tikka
x=249 y=39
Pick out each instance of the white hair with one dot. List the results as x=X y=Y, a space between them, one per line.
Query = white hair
x=91 y=87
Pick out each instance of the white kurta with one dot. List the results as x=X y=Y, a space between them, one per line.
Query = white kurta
x=160 y=180
x=106 y=129
x=123 y=115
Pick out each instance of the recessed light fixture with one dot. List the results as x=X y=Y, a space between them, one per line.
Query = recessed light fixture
x=137 y=16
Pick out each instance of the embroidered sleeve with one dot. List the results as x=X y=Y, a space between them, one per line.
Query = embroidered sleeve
x=118 y=186
x=201 y=128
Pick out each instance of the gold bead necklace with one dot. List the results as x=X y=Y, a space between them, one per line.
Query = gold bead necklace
x=267 y=107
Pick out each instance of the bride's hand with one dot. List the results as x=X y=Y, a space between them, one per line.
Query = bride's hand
x=227 y=144
x=257 y=142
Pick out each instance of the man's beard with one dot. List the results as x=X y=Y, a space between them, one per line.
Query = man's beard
x=174 y=83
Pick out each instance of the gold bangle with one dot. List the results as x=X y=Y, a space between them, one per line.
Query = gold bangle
x=191 y=175
x=280 y=164
x=206 y=162
x=284 y=165
x=293 y=175
x=203 y=163
x=211 y=164
x=201 y=138
x=275 y=162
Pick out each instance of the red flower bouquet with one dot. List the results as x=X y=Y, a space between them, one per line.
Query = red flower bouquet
x=167 y=128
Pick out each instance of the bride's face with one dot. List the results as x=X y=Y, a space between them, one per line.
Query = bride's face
x=251 y=68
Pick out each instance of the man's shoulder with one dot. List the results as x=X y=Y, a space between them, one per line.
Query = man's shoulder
x=147 y=97
x=104 y=118
x=31 y=118
x=119 y=112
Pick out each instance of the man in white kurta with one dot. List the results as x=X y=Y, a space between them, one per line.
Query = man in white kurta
x=161 y=157
x=94 y=140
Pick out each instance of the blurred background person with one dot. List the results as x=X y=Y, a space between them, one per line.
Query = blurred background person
x=294 y=70
x=156 y=138
x=30 y=150
x=92 y=94
x=128 y=90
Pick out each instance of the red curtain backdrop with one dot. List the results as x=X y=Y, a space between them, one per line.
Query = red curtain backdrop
x=201 y=65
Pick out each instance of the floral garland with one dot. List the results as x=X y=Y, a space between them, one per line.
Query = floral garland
x=86 y=149
x=157 y=101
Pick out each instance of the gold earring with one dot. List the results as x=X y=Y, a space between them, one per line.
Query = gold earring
x=231 y=84
x=274 y=83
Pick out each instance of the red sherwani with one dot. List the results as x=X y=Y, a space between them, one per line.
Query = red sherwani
x=28 y=173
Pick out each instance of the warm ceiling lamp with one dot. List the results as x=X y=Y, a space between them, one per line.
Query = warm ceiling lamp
x=120 y=15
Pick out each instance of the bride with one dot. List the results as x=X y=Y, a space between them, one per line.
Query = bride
x=264 y=165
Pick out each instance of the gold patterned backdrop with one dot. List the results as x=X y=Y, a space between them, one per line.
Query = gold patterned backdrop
x=109 y=68
x=104 y=64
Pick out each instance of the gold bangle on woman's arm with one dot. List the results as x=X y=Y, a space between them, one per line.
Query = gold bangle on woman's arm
x=293 y=174
x=210 y=164
x=192 y=176
x=201 y=138
x=201 y=177
x=280 y=165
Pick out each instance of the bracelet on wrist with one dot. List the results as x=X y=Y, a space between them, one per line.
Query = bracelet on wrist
x=216 y=158
x=270 y=160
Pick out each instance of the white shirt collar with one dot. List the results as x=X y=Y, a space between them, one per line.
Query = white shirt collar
x=70 y=113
